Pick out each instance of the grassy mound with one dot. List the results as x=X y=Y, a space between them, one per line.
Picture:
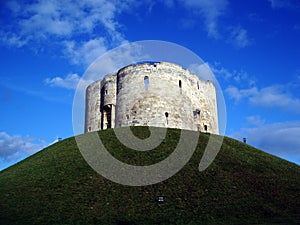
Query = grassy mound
x=242 y=186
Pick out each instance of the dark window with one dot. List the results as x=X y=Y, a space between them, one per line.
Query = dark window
x=106 y=92
x=205 y=127
x=146 y=82
x=196 y=113
x=167 y=115
x=179 y=83
x=107 y=116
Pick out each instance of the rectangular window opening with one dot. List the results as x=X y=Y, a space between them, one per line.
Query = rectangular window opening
x=146 y=82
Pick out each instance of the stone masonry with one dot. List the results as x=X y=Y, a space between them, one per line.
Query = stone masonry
x=159 y=94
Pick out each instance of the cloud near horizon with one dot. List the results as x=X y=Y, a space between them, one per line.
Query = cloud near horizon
x=239 y=77
x=280 y=139
x=13 y=147
x=275 y=96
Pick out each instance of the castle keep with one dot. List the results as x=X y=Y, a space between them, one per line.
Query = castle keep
x=157 y=94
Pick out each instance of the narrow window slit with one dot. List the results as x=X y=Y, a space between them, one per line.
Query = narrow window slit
x=146 y=82
x=167 y=115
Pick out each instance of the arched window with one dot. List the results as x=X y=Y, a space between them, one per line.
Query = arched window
x=106 y=117
x=205 y=128
x=166 y=115
x=146 y=82
x=179 y=83
x=196 y=113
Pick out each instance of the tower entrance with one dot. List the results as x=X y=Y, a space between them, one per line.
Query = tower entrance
x=107 y=116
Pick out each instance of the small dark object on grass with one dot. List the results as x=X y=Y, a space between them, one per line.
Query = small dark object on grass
x=160 y=199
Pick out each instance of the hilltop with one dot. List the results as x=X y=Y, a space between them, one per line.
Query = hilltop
x=243 y=185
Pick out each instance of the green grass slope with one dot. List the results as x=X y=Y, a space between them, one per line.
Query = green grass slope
x=242 y=186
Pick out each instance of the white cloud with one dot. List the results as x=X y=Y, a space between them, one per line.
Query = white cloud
x=211 y=10
x=276 y=3
x=222 y=72
x=208 y=11
x=13 y=6
x=207 y=71
x=13 y=39
x=43 y=25
x=291 y=4
x=63 y=18
x=86 y=52
x=281 y=139
x=238 y=94
x=69 y=82
x=204 y=71
x=168 y=3
x=255 y=120
x=13 y=147
x=276 y=96
x=63 y=22
x=239 y=37
x=117 y=58
x=240 y=77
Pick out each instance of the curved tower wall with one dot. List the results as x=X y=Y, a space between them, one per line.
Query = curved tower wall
x=164 y=103
x=101 y=104
x=152 y=94
x=92 y=107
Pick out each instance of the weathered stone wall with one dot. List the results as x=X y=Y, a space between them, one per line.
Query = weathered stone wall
x=152 y=94
x=93 y=115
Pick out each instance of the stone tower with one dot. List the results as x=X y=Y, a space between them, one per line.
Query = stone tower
x=157 y=94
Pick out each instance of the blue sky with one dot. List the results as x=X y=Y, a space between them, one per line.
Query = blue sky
x=252 y=47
